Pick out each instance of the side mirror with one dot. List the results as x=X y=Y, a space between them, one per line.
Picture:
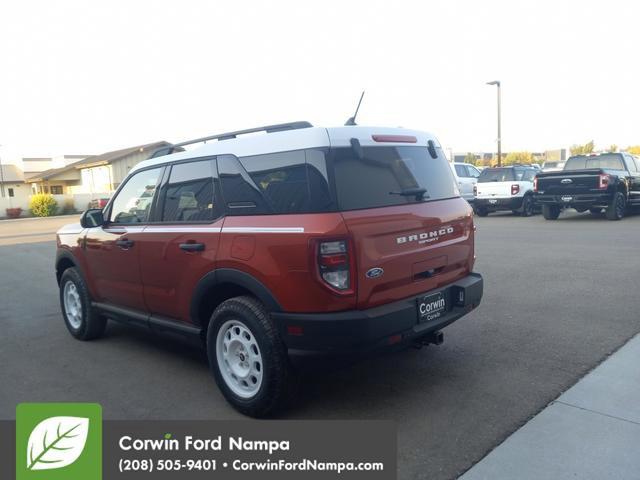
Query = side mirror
x=92 y=218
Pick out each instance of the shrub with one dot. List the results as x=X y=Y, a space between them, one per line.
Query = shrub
x=43 y=205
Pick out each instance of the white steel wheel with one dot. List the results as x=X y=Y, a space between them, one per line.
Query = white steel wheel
x=72 y=304
x=239 y=358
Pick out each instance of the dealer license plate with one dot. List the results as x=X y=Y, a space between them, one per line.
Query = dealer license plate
x=431 y=307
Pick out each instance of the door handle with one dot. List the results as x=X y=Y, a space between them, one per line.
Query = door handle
x=124 y=243
x=192 y=247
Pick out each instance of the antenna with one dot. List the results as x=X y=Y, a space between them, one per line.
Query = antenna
x=352 y=120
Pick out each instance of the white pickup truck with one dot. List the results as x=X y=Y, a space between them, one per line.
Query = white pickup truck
x=505 y=188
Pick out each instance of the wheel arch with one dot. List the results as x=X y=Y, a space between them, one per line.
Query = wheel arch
x=220 y=285
x=64 y=260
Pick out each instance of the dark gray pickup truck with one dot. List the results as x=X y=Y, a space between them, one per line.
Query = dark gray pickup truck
x=608 y=181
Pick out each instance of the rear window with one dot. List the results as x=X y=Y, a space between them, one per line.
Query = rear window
x=497 y=175
x=378 y=178
x=610 y=161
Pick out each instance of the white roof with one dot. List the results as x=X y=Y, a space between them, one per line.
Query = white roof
x=288 y=140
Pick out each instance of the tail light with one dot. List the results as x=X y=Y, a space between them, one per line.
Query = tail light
x=603 y=181
x=515 y=189
x=535 y=184
x=335 y=265
x=475 y=190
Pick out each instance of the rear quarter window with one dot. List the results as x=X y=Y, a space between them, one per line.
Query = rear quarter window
x=277 y=183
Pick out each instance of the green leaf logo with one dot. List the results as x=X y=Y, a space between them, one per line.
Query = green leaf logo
x=56 y=442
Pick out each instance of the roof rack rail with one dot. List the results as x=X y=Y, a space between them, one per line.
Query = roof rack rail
x=280 y=127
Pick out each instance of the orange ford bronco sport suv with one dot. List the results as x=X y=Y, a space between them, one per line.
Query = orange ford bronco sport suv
x=300 y=241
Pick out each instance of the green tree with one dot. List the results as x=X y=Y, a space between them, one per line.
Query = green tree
x=582 y=149
x=613 y=148
x=470 y=158
x=517 y=157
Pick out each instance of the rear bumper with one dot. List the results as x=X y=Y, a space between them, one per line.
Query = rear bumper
x=385 y=327
x=503 y=203
x=585 y=200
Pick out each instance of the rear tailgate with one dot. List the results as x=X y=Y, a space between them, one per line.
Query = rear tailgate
x=420 y=247
x=494 y=189
x=568 y=182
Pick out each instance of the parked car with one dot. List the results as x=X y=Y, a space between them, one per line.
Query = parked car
x=505 y=188
x=98 y=202
x=300 y=242
x=609 y=182
x=553 y=166
x=466 y=176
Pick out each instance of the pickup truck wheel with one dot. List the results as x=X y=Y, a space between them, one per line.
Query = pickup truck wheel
x=550 y=212
x=248 y=359
x=617 y=207
x=527 y=206
x=481 y=211
x=81 y=319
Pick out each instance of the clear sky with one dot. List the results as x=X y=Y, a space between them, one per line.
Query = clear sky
x=86 y=77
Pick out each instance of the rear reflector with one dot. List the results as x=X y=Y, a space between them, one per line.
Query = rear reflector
x=395 y=339
x=295 y=331
x=394 y=138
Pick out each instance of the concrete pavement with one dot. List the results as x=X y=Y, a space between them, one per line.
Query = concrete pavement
x=592 y=431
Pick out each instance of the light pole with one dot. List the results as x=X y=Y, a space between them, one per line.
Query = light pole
x=497 y=84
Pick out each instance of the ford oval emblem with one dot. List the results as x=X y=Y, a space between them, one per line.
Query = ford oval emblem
x=375 y=272
x=566 y=180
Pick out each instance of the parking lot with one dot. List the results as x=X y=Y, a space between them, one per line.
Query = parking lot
x=559 y=297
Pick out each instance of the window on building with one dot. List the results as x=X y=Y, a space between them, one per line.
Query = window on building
x=188 y=196
x=133 y=202
x=10 y=190
x=56 y=189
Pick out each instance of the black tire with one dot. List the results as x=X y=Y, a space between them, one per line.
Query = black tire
x=617 y=207
x=278 y=379
x=481 y=211
x=91 y=323
x=551 y=212
x=596 y=212
x=527 y=206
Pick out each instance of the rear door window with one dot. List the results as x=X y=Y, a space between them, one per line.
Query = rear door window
x=188 y=196
x=379 y=176
x=528 y=175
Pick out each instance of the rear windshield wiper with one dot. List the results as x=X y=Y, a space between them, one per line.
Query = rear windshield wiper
x=418 y=193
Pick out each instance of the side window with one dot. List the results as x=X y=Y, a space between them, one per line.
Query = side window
x=528 y=175
x=133 y=202
x=519 y=173
x=632 y=163
x=461 y=171
x=473 y=171
x=285 y=182
x=188 y=195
